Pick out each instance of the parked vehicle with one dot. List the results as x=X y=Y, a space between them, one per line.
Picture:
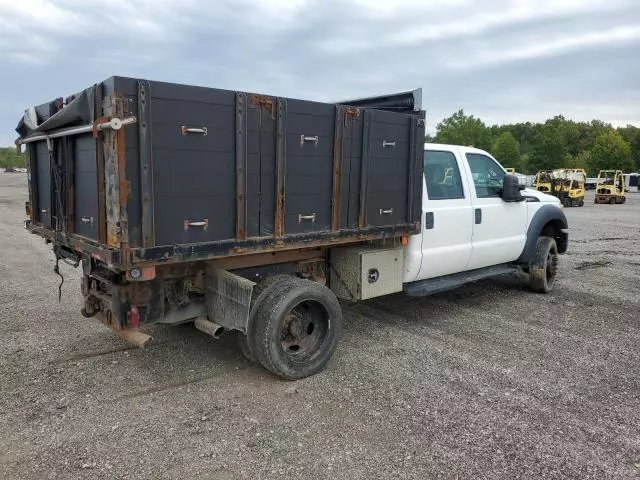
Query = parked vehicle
x=254 y=214
x=632 y=180
x=590 y=183
x=543 y=181
x=610 y=187
x=569 y=186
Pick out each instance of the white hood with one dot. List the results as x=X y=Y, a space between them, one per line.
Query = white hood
x=542 y=197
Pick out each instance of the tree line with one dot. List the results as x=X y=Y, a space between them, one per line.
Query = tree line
x=9 y=158
x=557 y=143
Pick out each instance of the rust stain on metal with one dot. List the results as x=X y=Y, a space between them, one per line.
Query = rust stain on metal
x=278 y=246
x=100 y=170
x=112 y=189
x=117 y=187
x=351 y=111
x=99 y=120
x=241 y=166
x=278 y=223
x=269 y=258
x=264 y=102
x=313 y=269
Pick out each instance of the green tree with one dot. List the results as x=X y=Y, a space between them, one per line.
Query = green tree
x=10 y=158
x=611 y=152
x=632 y=135
x=549 y=150
x=461 y=129
x=581 y=160
x=507 y=151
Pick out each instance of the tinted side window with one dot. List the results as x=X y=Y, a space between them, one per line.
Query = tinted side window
x=488 y=176
x=442 y=176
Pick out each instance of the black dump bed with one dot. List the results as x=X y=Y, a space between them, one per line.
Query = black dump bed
x=184 y=172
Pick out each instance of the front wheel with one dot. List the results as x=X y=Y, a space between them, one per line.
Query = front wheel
x=296 y=329
x=544 y=266
x=581 y=204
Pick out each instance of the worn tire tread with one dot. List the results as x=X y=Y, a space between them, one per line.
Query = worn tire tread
x=537 y=268
x=267 y=315
x=245 y=345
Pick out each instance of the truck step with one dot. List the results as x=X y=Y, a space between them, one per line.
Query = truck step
x=430 y=286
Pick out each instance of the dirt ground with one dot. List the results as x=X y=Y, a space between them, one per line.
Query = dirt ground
x=488 y=381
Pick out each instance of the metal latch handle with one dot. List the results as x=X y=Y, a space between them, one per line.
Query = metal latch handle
x=303 y=218
x=387 y=211
x=187 y=130
x=201 y=223
x=87 y=220
x=388 y=144
x=307 y=138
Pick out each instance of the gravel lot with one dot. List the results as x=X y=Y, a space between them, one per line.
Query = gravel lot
x=489 y=381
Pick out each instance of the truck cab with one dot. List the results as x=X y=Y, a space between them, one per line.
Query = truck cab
x=469 y=230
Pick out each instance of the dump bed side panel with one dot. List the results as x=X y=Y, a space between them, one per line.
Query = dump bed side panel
x=206 y=172
x=308 y=167
x=193 y=171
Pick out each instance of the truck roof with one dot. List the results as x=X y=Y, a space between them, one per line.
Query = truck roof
x=444 y=146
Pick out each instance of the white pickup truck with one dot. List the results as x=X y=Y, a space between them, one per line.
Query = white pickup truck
x=477 y=222
x=474 y=227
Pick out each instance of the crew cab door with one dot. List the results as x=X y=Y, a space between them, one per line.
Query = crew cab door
x=499 y=227
x=445 y=241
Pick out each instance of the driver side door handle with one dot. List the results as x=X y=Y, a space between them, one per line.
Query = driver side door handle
x=428 y=221
x=478 y=213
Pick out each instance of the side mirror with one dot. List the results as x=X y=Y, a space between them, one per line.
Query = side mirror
x=511 y=189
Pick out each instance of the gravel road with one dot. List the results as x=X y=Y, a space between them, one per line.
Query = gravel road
x=488 y=381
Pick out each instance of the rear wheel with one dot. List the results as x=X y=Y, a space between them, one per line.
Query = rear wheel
x=296 y=328
x=612 y=201
x=268 y=286
x=566 y=202
x=544 y=266
x=581 y=203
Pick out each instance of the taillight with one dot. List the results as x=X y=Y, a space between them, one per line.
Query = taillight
x=27 y=208
x=133 y=317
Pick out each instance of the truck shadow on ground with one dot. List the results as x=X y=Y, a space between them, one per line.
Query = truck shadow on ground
x=182 y=355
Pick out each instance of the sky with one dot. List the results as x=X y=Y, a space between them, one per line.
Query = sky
x=502 y=60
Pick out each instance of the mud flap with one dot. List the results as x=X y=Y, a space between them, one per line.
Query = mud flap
x=228 y=299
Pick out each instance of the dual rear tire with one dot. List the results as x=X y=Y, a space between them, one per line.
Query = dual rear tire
x=294 y=326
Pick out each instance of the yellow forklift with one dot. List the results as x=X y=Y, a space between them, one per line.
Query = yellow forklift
x=543 y=181
x=568 y=186
x=610 y=187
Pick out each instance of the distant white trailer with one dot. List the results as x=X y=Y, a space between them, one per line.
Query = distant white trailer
x=632 y=181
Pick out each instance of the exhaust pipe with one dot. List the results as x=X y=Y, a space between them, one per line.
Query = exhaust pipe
x=208 y=327
x=136 y=337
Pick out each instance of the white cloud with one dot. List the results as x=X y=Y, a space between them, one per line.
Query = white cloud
x=502 y=59
x=550 y=47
